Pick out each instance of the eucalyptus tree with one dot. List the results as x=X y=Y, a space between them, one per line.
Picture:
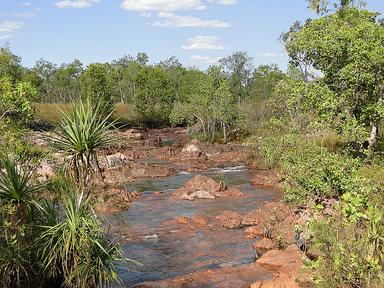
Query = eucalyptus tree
x=347 y=50
x=238 y=68
x=210 y=105
x=46 y=71
x=154 y=95
x=10 y=65
x=98 y=86
x=324 y=6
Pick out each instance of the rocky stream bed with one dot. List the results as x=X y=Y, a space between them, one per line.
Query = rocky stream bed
x=194 y=215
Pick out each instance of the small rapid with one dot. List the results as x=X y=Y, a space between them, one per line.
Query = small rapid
x=149 y=236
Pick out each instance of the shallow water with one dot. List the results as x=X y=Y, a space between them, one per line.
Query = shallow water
x=151 y=237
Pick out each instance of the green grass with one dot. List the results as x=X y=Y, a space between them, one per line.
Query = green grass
x=50 y=112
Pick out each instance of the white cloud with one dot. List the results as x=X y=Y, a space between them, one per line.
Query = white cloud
x=30 y=14
x=5 y=36
x=203 y=43
x=75 y=3
x=205 y=59
x=26 y=4
x=10 y=26
x=226 y=2
x=270 y=55
x=172 y=20
x=162 y=5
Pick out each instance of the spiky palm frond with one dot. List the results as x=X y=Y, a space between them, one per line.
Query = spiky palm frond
x=81 y=134
x=77 y=248
x=16 y=186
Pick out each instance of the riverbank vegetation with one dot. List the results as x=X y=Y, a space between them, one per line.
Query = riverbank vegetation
x=318 y=124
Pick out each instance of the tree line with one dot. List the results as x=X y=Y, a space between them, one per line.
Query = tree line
x=164 y=93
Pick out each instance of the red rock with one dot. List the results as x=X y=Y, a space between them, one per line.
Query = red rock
x=253 y=232
x=263 y=245
x=230 y=219
x=233 y=192
x=277 y=282
x=254 y=218
x=182 y=220
x=287 y=262
x=199 y=220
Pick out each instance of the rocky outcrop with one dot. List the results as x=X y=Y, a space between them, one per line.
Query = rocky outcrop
x=203 y=187
x=45 y=170
x=286 y=263
x=268 y=179
x=114 y=200
x=116 y=159
x=230 y=219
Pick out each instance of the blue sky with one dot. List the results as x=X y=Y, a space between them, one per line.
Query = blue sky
x=197 y=32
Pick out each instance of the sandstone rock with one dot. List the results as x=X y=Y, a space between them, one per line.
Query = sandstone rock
x=191 y=148
x=203 y=187
x=114 y=200
x=182 y=220
x=278 y=282
x=200 y=194
x=133 y=134
x=199 y=220
x=287 y=262
x=263 y=245
x=230 y=219
x=253 y=232
x=116 y=159
x=45 y=170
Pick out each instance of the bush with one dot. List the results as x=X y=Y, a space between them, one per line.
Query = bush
x=351 y=244
x=311 y=171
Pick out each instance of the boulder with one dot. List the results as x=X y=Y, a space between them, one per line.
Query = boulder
x=191 y=148
x=263 y=245
x=277 y=282
x=253 y=232
x=230 y=219
x=45 y=170
x=203 y=187
x=199 y=220
x=287 y=262
x=116 y=159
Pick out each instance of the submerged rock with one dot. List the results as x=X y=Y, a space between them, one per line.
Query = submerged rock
x=203 y=187
x=230 y=219
x=117 y=159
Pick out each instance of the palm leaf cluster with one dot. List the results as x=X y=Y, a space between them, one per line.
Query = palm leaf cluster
x=76 y=247
x=81 y=134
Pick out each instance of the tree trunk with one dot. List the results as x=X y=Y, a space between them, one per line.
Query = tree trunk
x=372 y=140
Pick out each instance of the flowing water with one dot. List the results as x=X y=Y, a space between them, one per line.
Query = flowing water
x=151 y=237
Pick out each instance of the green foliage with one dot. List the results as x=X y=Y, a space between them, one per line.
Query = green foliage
x=15 y=185
x=348 y=48
x=81 y=134
x=97 y=86
x=10 y=66
x=154 y=96
x=15 y=100
x=352 y=244
x=76 y=247
x=310 y=171
x=211 y=105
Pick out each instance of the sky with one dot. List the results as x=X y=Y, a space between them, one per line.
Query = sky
x=197 y=32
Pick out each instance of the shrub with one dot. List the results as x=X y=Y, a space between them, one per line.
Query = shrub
x=311 y=171
x=351 y=245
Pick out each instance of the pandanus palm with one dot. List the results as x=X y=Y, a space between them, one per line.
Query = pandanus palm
x=17 y=201
x=16 y=187
x=76 y=248
x=81 y=134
